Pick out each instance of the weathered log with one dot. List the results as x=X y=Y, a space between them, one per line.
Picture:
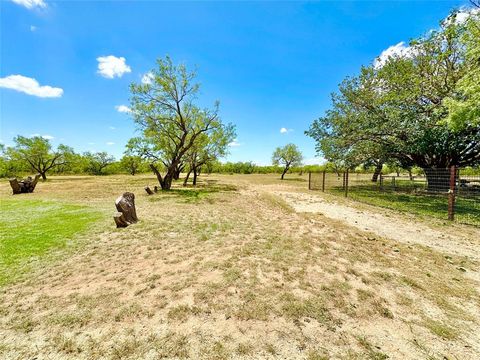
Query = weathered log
x=24 y=186
x=127 y=214
x=148 y=190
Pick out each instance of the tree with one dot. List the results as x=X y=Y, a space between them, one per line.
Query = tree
x=398 y=111
x=131 y=163
x=169 y=121
x=209 y=148
x=96 y=162
x=37 y=152
x=287 y=156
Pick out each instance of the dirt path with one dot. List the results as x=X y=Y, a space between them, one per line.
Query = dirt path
x=387 y=224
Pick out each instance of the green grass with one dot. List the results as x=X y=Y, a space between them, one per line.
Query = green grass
x=467 y=210
x=31 y=229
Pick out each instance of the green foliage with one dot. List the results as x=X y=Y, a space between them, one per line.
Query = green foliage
x=95 y=163
x=50 y=226
x=464 y=105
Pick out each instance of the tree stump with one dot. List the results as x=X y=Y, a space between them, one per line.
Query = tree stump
x=126 y=214
x=148 y=190
x=24 y=186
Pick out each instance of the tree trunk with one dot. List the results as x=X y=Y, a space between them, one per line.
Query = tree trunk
x=157 y=174
x=195 y=175
x=378 y=170
x=126 y=214
x=410 y=174
x=44 y=175
x=438 y=179
x=186 y=178
x=284 y=172
x=167 y=181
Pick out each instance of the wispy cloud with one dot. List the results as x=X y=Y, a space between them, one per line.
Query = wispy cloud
x=30 y=4
x=123 y=109
x=112 y=127
x=29 y=86
x=235 y=143
x=109 y=143
x=33 y=28
x=147 y=78
x=111 y=66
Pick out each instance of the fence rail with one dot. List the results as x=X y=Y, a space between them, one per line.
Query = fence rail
x=445 y=193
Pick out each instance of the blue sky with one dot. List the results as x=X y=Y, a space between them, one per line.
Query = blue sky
x=272 y=65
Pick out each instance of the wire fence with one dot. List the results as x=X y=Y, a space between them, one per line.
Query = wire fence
x=445 y=193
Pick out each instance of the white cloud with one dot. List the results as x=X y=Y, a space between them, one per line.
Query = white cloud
x=147 y=78
x=123 y=109
x=112 y=66
x=33 y=28
x=29 y=86
x=30 y=4
x=399 y=50
x=109 y=143
x=112 y=127
x=47 y=137
x=235 y=143
x=285 y=130
x=91 y=143
x=462 y=15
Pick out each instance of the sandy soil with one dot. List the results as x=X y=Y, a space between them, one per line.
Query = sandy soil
x=388 y=224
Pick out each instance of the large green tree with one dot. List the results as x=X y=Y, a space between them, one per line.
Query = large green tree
x=169 y=121
x=39 y=154
x=397 y=111
x=287 y=156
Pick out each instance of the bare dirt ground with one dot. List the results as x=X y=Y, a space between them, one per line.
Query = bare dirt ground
x=245 y=267
x=388 y=224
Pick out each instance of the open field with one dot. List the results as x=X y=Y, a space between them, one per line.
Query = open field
x=241 y=267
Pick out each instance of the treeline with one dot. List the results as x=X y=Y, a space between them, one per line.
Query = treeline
x=36 y=155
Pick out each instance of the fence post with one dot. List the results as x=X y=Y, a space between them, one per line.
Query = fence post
x=323 y=181
x=451 y=193
x=346 y=183
x=309 y=180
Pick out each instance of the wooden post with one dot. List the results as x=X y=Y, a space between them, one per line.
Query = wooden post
x=323 y=181
x=451 y=193
x=309 y=180
x=346 y=183
x=148 y=190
